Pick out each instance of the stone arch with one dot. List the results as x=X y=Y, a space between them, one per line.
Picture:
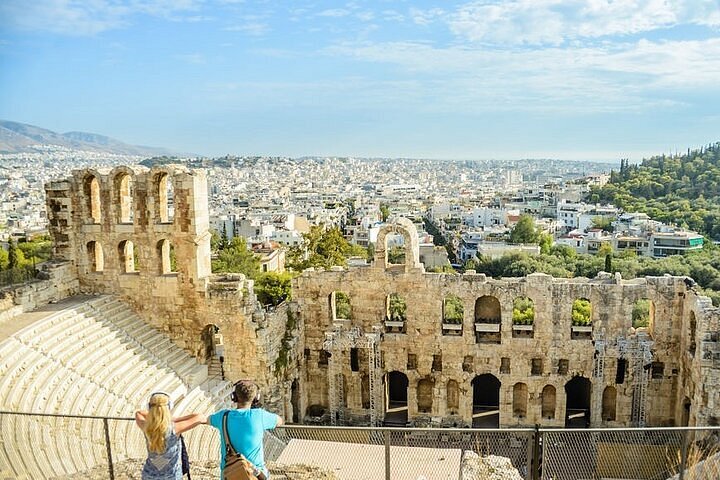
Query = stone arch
x=453 y=397
x=396 y=398
x=165 y=253
x=692 y=334
x=453 y=313
x=123 y=192
x=404 y=227
x=340 y=308
x=128 y=256
x=578 y=394
x=548 y=402
x=425 y=389
x=96 y=259
x=395 y=313
x=212 y=341
x=643 y=314
x=487 y=309
x=91 y=191
x=486 y=401
x=609 y=404
x=163 y=190
x=523 y=317
x=581 y=319
x=520 y=400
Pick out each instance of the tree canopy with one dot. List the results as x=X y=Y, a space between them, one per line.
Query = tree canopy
x=524 y=230
x=323 y=248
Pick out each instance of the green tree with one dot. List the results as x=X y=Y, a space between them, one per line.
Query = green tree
x=603 y=223
x=322 y=248
x=14 y=255
x=342 y=306
x=523 y=311
x=546 y=242
x=608 y=263
x=641 y=313
x=397 y=308
x=4 y=261
x=581 y=312
x=273 y=288
x=384 y=212
x=237 y=258
x=453 y=310
x=524 y=231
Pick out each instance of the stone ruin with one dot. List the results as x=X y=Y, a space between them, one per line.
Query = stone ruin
x=376 y=344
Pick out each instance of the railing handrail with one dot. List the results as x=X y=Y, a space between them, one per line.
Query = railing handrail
x=412 y=429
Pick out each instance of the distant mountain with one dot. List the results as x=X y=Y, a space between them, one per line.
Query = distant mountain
x=22 y=138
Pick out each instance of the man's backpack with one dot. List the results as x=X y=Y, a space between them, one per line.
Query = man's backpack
x=237 y=467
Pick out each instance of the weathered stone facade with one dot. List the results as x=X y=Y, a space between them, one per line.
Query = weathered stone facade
x=394 y=354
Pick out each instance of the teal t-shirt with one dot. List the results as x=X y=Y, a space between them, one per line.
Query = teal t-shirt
x=246 y=428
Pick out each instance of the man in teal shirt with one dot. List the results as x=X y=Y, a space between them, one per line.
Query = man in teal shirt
x=246 y=425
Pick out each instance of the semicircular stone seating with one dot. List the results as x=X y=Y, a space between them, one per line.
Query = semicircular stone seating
x=93 y=357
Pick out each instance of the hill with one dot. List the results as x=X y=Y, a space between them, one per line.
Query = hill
x=18 y=137
x=680 y=189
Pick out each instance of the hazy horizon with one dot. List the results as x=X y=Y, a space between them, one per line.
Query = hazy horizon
x=574 y=80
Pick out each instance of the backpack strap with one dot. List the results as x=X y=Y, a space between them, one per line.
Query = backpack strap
x=229 y=449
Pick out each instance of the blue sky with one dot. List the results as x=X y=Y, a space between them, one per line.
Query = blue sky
x=571 y=79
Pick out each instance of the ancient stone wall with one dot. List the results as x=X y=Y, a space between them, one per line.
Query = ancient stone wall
x=126 y=232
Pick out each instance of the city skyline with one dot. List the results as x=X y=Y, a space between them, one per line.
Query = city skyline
x=461 y=80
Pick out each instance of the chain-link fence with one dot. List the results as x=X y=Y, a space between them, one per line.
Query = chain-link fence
x=35 y=446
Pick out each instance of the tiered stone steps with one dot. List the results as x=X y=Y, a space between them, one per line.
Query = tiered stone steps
x=93 y=357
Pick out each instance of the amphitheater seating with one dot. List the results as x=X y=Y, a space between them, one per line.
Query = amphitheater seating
x=94 y=357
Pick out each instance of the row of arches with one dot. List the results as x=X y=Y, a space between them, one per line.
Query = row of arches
x=487 y=311
x=123 y=196
x=129 y=258
x=486 y=400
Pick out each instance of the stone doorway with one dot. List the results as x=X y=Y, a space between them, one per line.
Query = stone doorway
x=577 y=410
x=486 y=401
x=396 y=399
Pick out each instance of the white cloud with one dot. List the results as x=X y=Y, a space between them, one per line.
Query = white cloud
x=255 y=29
x=73 y=17
x=626 y=77
x=425 y=17
x=334 y=13
x=553 y=22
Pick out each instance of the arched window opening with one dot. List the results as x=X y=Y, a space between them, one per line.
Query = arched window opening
x=577 y=410
x=395 y=314
x=396 y=397
x=96 y=259
x=523 y=317
x=486 y=401
x=643 y=314
x=452 y=315
x=548 y=402
x=91 y=189
x=609 y=402
x=165 y=194
x=520 y=400
x=123 y=198
x=166 y=255
x=425 y=395
x=128 y=256
x=453 y=397
x=581 y=315
x=487 y=320
x=340 y=306
x=395 y=248
x=692 y=334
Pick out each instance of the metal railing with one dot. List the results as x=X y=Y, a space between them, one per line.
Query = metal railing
x=34 y=445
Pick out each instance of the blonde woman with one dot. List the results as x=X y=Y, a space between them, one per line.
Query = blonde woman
x=162 y=434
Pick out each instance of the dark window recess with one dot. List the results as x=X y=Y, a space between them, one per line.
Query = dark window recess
x=504 y=365
x=537 y=366
x=468 y=364
x=658 y=370
x=563 y=366
x=354 y=361
x=412 y=361
x=307 y=353
x=621 y=368
x=437 y=363
x=324 y=357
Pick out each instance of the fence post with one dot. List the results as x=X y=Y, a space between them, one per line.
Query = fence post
x=108 y=448
x=535 y=456
x=683 y=455
x=387 y=454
